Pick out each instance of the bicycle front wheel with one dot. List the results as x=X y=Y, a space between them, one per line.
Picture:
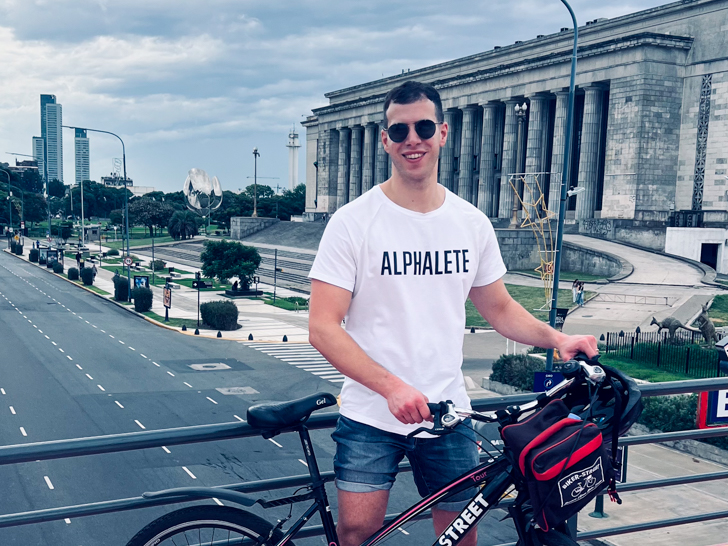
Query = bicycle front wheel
x=216 y=525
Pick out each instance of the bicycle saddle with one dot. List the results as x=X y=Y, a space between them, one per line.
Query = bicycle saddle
x=278 y=415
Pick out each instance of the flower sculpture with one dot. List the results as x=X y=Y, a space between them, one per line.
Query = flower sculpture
x=202 y=195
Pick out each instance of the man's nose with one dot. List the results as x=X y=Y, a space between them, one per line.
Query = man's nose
x=412 y=136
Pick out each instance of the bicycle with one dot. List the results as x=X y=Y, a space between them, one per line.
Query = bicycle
x=494 y=478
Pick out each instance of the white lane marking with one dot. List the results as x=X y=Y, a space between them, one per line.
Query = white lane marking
x=239 y=418
x=142 y=355
x=140 y=425
x=112 y=337
x=24 y=316
x=79 y=366
x=170 y=373
x=68 y=521
x=68 y=357
x=155 y=363
x=41 y=331
x=166 y=450
x=119 y=404
x=61 y=350
x=190 y=473
x=402 y=531
x=91 y=378
x=132 y=348
x=190 y=386
x=217 y=501
x=46 y=336
x=122 y=342
x=95 y=326
x=87 y=322
x=274 y=442
x=54 y=343
x=12 y=410
x=2 y=391
x=72 y=312
x=48 y=482
x=34 y=326
x=102 y=389
x=104 y=331
x=22 y=431
x=304 y=463
x=211 y=400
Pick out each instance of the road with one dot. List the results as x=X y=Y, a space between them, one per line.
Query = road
x=75 y=365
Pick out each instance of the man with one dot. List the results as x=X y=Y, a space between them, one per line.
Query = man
x=398 y=264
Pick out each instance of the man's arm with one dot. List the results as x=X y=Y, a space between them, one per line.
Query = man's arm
x=511 y=320
x=327 y=308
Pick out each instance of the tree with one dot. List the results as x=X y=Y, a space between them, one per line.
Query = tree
x=183 y=225
x=147 y=212
x=36 y=209
x=116 y=217
x=227 y=259
x=56 y=188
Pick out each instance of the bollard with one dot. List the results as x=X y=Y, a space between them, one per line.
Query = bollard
x=197 y=331
x=472 y=329
x=184 y=327
x=219 y=333
x=250 y=337
x=285 y=337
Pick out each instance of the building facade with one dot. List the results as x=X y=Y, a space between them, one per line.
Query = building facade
x=82 y=156
x=39 y=155
x=650 y=126
x=51 y=116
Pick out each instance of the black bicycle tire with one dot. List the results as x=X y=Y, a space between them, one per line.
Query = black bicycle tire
x=202 y=516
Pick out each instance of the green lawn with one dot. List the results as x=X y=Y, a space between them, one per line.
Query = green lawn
x=92 y=288
x=176 y=322
x=641 y=371
x=564 y=276
x=289 y=303
x=530 y=297
x=137 y=239
x=719 y=310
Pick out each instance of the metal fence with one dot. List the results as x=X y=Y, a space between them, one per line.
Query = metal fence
x=77 y=447
x=679 y=353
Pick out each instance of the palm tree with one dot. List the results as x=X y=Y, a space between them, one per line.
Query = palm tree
x=182 y=225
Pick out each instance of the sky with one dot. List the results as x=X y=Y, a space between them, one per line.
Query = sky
x=200 y=84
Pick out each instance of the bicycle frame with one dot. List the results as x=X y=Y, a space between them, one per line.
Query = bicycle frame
x=492 y=476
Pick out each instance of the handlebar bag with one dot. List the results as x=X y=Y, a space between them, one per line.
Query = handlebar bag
x=562 y=460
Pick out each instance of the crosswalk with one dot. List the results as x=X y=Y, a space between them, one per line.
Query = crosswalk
x=302 y=356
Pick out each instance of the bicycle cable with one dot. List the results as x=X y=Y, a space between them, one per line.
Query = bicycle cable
x=479 y=434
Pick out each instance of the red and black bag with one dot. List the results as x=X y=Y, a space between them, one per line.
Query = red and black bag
x=562 y=459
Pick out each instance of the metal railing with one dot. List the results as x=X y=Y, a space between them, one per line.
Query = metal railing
x=635 y=299
x=60 y=449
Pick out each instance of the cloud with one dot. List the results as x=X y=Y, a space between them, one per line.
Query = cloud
x=186 y=81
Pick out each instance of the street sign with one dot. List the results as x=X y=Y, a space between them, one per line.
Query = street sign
x=167 y=297
x=713 y=409
x=543 y=381
x=128 y=261
x=560 y=317
x=22 y=225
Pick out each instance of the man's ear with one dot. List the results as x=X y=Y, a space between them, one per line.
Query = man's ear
x=444 y=129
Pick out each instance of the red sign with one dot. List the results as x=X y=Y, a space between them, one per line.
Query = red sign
x=713 y=409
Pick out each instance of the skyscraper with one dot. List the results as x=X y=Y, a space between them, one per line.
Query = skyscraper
x=39 y=155
x=82 y=156
x=51 y=120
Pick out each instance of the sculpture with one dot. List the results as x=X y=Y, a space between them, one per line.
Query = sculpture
x=707 y=328
x=671 y=324
x=202 y=195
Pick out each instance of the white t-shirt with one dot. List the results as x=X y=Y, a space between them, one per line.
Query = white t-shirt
x=410 y=274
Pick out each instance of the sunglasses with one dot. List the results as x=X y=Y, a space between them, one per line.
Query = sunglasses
x=425 y=129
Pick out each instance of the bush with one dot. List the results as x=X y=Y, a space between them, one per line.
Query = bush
x=158 y=265
x=16 y=248
x=220 y=315
x=142 y=299
x=121 y=288
x=675 y=413
x=112 y=252
x=34 y=255
x=57 y=267
x=517 y=370
x=72 y=274
x=87 y=276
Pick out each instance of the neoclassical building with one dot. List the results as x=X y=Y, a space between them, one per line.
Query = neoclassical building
x=650 y=146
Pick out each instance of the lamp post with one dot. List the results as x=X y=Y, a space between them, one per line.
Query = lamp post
x=10 y=217
x=521 y=114
x=126 y=194
x=565 y=179
x=255 y=183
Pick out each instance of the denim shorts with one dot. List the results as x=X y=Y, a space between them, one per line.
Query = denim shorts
x=366 y=460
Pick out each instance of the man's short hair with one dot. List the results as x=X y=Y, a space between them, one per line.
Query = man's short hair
x=410 y=92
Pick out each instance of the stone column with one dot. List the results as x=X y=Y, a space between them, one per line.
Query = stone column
x=380 y=173
x=534 y=149
x=487 y=190
x=558 y=150
x=447 y=153
x=342 y=189
x=355 y=162
x=333 y=170
x=508 y=167
x=589 y=158
x=367 y=163
x=467 y=153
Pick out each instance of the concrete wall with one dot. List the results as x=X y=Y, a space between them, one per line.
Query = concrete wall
x=243 y=226
x=586 y=260
x=643 y=233
x=687 y=242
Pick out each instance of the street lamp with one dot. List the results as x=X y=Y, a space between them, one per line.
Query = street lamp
x=10 y=217
x=565 y=179
x=521 y=114
x=255 y=183
x=126 y=195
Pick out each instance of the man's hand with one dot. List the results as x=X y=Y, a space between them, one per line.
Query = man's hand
x=569 y=346
x=408 y=404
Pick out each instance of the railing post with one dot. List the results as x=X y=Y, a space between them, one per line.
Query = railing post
x=631 y=348
x=598 y=508
x=687 y=362
x=659 y=346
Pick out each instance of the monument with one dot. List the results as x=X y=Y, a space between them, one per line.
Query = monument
x=202 y=194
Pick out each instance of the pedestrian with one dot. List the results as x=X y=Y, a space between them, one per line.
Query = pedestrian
x=580 y=294
x=78 y=260
x=398 y=263
x=574 y=290
x=95 y=271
